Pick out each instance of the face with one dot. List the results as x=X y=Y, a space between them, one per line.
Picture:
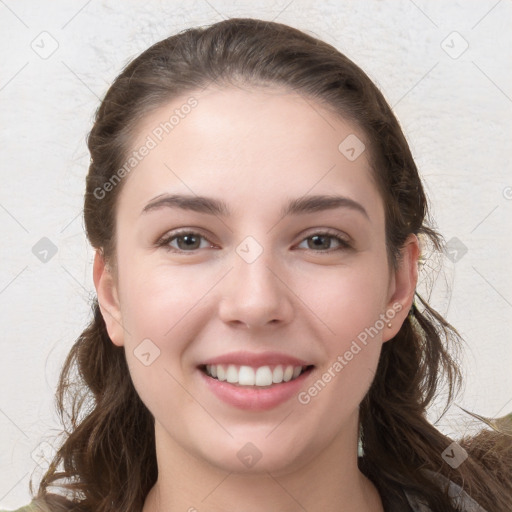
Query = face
x=252 y=308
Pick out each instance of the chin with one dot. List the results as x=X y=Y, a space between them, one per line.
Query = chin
x=258 y=456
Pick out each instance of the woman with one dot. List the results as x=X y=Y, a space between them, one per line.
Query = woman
x=257 y=216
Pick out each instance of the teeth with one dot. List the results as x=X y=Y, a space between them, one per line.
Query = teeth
x=248 y=376
x=221 y=374
x=277 y=374
x=232 y=375
x=263 y=376
x=288 y=373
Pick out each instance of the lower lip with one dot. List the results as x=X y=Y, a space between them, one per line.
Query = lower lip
x=255 y=398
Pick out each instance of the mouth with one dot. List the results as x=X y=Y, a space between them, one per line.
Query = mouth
x=254 y=381
x=264 y=377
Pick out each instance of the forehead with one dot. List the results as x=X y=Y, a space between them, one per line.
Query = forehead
x=251 y=147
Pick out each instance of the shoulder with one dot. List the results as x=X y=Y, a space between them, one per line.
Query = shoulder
x=27 y=508
x=31 y=507
x=459 y=497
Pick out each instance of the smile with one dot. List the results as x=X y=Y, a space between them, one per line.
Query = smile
x=262 y=376
x=254 y=381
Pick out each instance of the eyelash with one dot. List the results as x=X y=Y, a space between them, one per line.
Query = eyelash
x=166 y=240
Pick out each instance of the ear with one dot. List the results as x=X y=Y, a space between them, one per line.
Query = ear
x=108 y=299
x=402 y=287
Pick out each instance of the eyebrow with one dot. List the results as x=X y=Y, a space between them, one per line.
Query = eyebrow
x=217 y=207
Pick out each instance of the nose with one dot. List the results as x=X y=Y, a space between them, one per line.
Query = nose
x=256 y=294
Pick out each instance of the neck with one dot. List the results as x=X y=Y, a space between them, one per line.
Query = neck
x=331 y=482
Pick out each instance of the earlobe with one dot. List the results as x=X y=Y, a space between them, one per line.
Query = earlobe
x=404 y=286
x=108 y=299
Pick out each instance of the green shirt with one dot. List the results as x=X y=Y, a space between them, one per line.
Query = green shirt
x=412 y=503
x=27 y=508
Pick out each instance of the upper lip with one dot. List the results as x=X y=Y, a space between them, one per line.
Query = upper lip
x=256 y=359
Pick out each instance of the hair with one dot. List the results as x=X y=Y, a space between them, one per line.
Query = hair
x=107 y=461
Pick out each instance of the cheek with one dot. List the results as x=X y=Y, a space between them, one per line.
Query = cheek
x=349 y=302
x=159 y=310
x=353 y=310
x=333 y=398
x=155 y=302
x=352 y=348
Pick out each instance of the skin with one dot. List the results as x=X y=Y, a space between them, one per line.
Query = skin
x=294 y=298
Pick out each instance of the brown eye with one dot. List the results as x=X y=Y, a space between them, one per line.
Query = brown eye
x=189 y=241
x=323 y=242
x=182 y=241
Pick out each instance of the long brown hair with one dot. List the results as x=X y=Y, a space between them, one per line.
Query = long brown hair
x=107 y=461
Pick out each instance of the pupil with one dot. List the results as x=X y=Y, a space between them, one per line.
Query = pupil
x=189 y=240
x=317 y=238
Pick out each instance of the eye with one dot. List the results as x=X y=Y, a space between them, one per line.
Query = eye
x=322 y=241
x=190 y=241
x=186 y=241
